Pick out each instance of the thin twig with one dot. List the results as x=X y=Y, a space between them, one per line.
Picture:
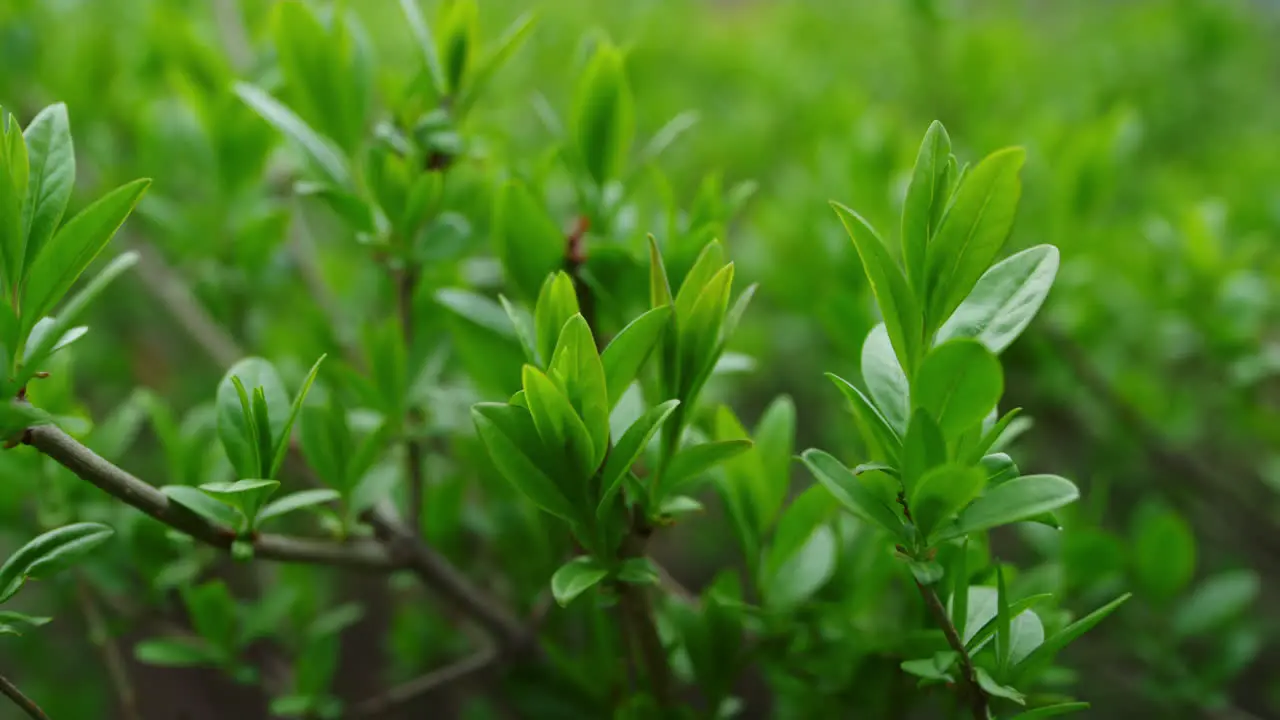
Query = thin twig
x=100 y=635
x=977 y=697
x=426 y=685
x=26 y=704
x=406 y=282
x=89 y=466
x=638 y=617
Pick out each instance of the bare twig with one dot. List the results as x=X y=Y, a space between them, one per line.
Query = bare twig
x=26 y=704
x=100 y=635
x=976 y=695
x=406 y=281
x=89 y=466
x=426 y=685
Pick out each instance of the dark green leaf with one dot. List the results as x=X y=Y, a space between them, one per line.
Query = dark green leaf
x=513 y=443
x=49 y=553
x=1164 y=552
x=851 y=493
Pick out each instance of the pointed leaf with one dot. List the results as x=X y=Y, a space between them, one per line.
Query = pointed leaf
x=628 y=449
x=297 y=501
x=1043 y=655
x=1014 y=501
x=557 y=302
x=692 y=461
x=576 y=577
x=630 y=348
x=870 y=419
x=851 y=493
x=286 y=429
x=559 y=425
x=247 y=496
x=958 y=383
x=509 y=434
x=203 y=505
x=1005 y=300
x=49 y=553
x=322 y=152
x=577 y=366
x=928 y=190
x=52 y=177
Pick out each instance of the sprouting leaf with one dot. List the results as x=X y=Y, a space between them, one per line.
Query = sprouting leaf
x=926 y=193
x=1013 y=501
x=851 y=493
x=562 y=430
x=296 y=501
x=699 y=330
x=885 y=380
x=247 y=496
x=972 y=231
x=70 y=251
x=694 y=460
x=509 y=434
x=1005 y=299
x=49 y=553
x=630 y=348
x=557 y=302
x=958 y=383
x=942 y=492
x=898 y=305
x=576 y=577
x=283 y=437
x=870 y=419
x=240 y=440
x=52 y=177
x=628 y=449
x=577 y=366
x=603 y=117
x=1043 y=655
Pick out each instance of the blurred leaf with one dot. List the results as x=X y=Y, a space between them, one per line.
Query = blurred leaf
x=1216 y=601
x=692 y=461
x=319 y=150
x=1164 y=552
x=50 y=553
x=576 y=577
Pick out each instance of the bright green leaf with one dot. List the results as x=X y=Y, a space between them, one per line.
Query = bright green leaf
x=49 y=553
x=576 y=577
x=851 y=493
x=630 y=348
x=628 y=449
x=958 y=383
x=1005 y=299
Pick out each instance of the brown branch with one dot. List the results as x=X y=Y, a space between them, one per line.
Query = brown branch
x=114 y=662
x=89 y=466
x=971 y=689
x=26 y=704
x=426 y=685
x=638 y=614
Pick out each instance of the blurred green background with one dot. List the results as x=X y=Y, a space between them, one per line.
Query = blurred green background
x=1153 y=163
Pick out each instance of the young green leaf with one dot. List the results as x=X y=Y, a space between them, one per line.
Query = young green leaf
x=870 y=419
x=559 y=425
x=630 y=348
x=506 y=46
x=247 y=496
x=699 y=331
x=1005 y=299
x=577 y=366
x=692 y=461
x=924 y=448
x=628 y=449
x=1011 y=502
x=235 y=418
x=286 y=428
x=603 y=117
x=66 y=256
x=898 y=305
x=576 y=577
x=14 y=176
x=989 y=438
x=885 y=380
x=941 y=493
x=1044 y=654
x=958 y=383
x=557 y=302
x=49 y=553
x=975 y=227
x=710 y=261
x=927 y=192
x=203 y=505
x=851 y=493
x=659 y=284
x=52 y=177
x=426 y=45
x=296 y=501
x=511 y=437
x=15 y=623
x=527 y=241
x=262 y=426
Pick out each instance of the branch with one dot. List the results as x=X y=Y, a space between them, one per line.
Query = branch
x=977 y=696
x=25 y=703
x=406 y=281
x=638 y=615
x=426 y=685
x=89 y=466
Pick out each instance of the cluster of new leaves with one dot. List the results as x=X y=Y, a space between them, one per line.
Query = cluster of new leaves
x=932 y=421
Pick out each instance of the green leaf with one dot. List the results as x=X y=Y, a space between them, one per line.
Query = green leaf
x=235 y=420
x=322 y=152
x=710 y=261
x=989 y=438
x=680 y=505
x=975 y=227
x=509 y=434
x=577 y=367
x=932 y=668
x=49 y=553
x=527 y=241
x=995 y=689
x=16 y=417
x=262 y=426
x=958 y=383
x=286 y=429
x=898 y=305
x=927 y=192
x=14 y=174
x=66 y=256
x=630 y=348
x=774 y=437
x=576 y=577
x=659 y=284
x=699 y=331
x=628 y=449
x=977 y=637
x=694 y=460
x=851 y=493
x=999 y=468
x=52 y=160
x=426 y=45
x=1051 y=711
x=638 y=571
x=1014 y=501
x=460 y=35
x=176 y=652
x=1043 y=655
x=1004 y=621
x=603 y=117
x=213 y=614
x=247 y=496
x=804 y=572
x=297 y=501
x=923 y=449
x=1005 y=300
x=327 y=442
x=203 y=505
x=871 y=421
x=559 y=425
x=506 y=46
x=959 y=603
x=520 y=324
x=1026 y=633
x=885 y=380
x=806 y=514
x=1164 y=552
x=557 y=302
x=14 y=623
x=1215 y=602
x=941 y=493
